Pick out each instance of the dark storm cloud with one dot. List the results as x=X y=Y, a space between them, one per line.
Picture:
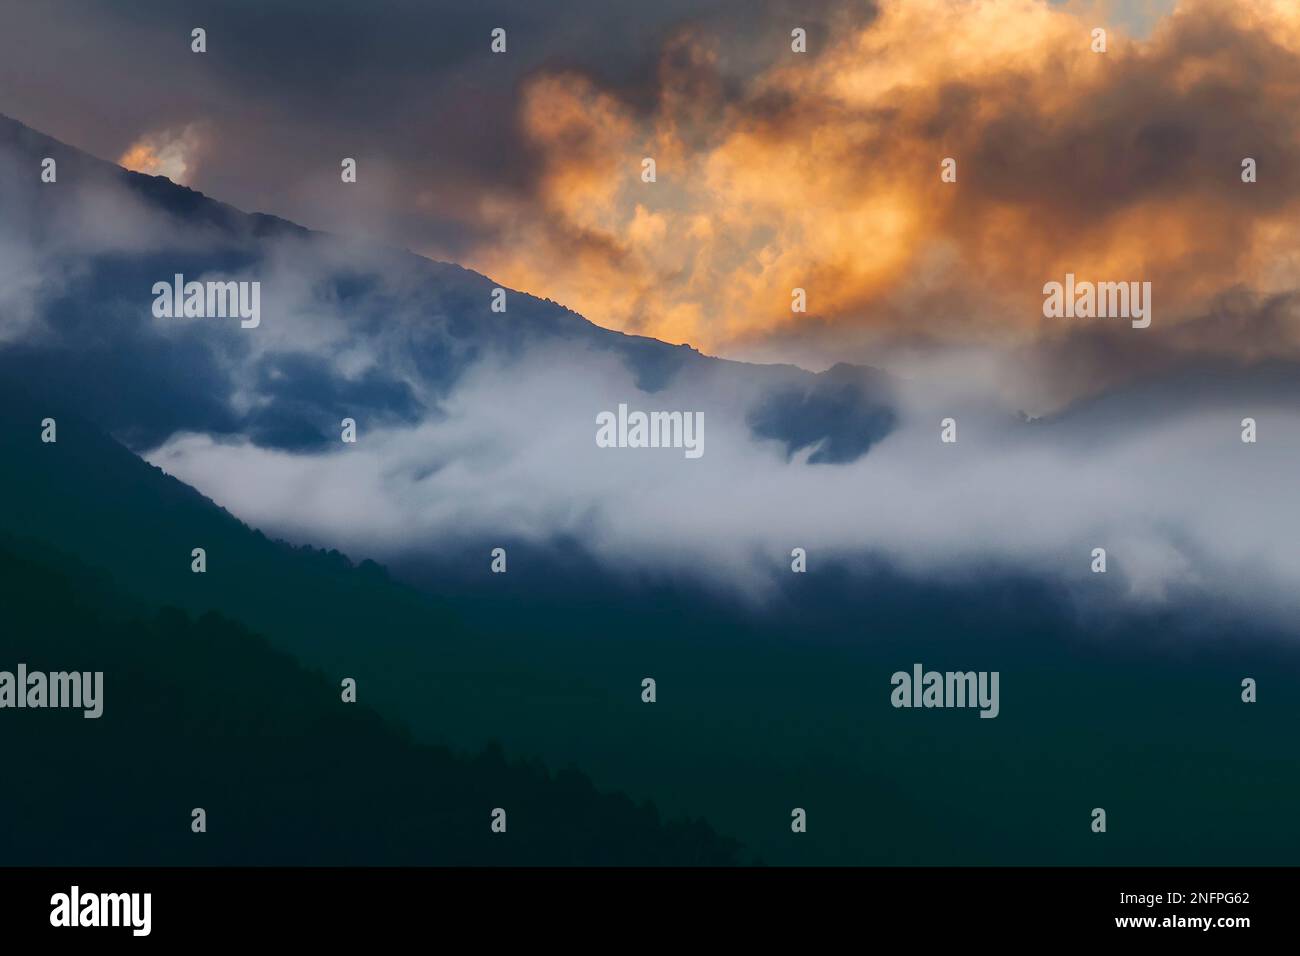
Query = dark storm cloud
x=287 y=89
x=777 y=172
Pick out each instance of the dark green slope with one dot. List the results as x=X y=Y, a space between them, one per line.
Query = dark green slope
x=92 y=498
x=130 y=529
x=1139 y=713
x=203 y=713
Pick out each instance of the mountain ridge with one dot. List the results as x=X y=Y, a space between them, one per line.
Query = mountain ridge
x=158 y=185
x=426 y=321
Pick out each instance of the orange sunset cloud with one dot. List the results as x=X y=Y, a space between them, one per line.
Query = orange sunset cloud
x=823 y=173
x=172 y=153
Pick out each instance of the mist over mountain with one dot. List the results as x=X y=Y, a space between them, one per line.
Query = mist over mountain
x=478 y=426
x=477 y=430
x=351 y=328
x=758 y=710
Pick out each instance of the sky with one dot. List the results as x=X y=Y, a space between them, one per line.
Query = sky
x=775 y=170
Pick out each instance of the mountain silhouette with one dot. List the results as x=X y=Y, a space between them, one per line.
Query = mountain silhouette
x=223 y=686
x=201 y=711
x=104 y=353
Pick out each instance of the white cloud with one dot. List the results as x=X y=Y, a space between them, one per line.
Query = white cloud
x=1181 y=505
